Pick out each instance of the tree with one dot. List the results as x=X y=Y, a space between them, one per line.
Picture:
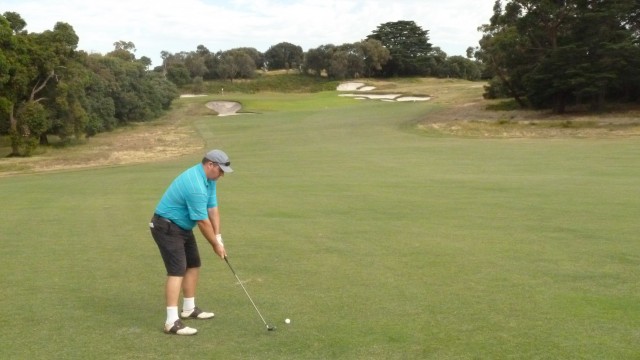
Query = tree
x=16 y=22
x=437 y=64
x=100 y=106
x=255 y=55
x=32 y=117
x=559 y=53
x=66 y=103
x=284 y=56
x=375 y=56
x=363 y=58
x=47 y=87
x=146 y=61
x=32 y=63
x=15 y=75
x=348 y=61
x=124 y=50
x=195 y=63
x=235 y=64
x=502 y=51
x=339 y=65
x=212 y=62
x=317 y=60
x=202 y=50
x=462 y=68
x=408 y=45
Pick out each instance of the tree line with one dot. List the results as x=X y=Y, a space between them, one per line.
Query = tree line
x=398 y=48
x=552 y=54
x=47 y=87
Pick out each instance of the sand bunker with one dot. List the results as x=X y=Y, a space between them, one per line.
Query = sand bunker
x=350 y=86
x=373 y=96
x=225 y=108
x=357 y=86
x=191 y=95
x=413 y=98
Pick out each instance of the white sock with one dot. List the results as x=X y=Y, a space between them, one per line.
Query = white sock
x=172 y=314
x=188 y=304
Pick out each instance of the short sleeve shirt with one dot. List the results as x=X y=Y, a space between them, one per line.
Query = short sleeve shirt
x=188 y=198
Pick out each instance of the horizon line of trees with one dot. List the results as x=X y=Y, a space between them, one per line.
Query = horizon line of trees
x=398 y=48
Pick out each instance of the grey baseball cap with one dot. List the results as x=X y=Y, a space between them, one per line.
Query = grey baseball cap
x=220 y=158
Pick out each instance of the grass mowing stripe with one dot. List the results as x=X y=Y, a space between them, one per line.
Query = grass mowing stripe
x=376 y=242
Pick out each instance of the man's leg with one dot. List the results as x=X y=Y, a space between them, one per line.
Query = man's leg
x=172 y=293
x=189 y=283
x=172 y=290
x=169 y=242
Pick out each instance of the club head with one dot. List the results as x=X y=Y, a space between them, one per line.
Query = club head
x=271 y=328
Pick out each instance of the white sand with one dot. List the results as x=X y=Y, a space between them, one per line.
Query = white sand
x=359 y=87
x=373 y=96
x=350 y=86
x=225 y=108
x=413 y=98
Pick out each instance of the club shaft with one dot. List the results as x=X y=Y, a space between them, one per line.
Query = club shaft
x=246 y=292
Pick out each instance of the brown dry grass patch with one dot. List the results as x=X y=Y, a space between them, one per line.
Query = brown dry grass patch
x=169 y=137
x=473 y=119
x=458 y=109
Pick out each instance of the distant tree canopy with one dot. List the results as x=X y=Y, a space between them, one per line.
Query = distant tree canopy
x=363 y=58
x=553 y=54
x=284 y=56
x=394 y=49
x=185 y=67
x=47 y=87
x=408 y=45
x=407 y=52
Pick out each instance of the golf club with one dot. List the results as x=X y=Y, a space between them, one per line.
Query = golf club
x=269 y=327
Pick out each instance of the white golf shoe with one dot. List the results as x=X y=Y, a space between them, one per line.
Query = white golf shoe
x=196 y=313
x=178 y=328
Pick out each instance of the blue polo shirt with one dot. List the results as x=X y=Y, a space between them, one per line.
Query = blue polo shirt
x=188 y=198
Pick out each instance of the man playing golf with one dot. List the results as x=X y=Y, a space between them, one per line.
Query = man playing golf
x=190 y=199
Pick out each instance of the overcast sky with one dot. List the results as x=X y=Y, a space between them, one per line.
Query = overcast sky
x=182 y=25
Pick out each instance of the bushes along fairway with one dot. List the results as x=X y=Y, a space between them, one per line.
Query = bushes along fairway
x=377 y=242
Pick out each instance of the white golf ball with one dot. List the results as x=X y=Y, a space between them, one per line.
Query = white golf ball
x=287 y=321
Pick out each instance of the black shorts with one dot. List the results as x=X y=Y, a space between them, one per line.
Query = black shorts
x=177 y=246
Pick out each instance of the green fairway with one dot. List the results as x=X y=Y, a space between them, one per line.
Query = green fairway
x=376 y=240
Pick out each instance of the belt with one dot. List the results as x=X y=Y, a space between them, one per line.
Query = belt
x=158 y=217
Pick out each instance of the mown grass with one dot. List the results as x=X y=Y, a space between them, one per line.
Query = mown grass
x=377 y=242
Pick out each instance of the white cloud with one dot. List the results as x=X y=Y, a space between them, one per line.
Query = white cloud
x=182 y=25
